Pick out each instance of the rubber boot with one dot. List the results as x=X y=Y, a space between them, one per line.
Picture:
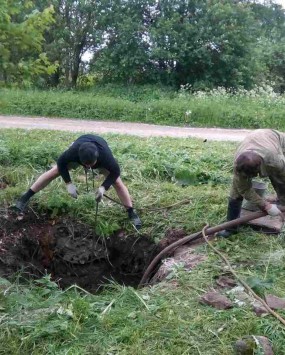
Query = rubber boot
x=135 y=219
x=21 y=204
x=234 y=209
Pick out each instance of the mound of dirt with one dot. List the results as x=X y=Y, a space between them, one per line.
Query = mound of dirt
x=70 y=251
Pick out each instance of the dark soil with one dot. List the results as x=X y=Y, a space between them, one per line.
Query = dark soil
x=70 y=251
x=172 y=236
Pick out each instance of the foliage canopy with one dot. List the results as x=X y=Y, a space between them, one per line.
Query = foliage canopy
x=203 y=43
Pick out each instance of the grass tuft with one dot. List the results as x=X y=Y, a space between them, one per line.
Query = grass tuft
x=38 y=318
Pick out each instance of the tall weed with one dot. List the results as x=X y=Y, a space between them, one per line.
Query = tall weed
x=257 y=108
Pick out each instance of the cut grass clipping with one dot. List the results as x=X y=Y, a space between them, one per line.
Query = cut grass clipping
x=39 y=318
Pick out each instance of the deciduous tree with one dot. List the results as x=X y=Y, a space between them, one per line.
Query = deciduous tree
x=21 y=40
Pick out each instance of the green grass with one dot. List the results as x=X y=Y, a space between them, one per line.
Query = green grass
x=38 y=318
x=218 y=108
x=150 y=168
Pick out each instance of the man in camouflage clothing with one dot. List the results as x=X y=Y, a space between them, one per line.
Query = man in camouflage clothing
x=261 y=153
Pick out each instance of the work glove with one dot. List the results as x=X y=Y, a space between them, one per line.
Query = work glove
x=273 y=210
x=72 y=190
x=99 y=193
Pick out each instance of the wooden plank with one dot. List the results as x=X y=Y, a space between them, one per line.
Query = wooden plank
x=266 y=224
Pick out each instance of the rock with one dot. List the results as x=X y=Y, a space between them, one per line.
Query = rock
x=217 y=300
x=265 y=345
x=241 y=298
x=226 y=282
x=184 y=257
x=275 y=302
x=259 y=309
x=188 y=257
x=251 y=344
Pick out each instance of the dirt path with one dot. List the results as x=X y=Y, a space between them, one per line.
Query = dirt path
x=137 y=129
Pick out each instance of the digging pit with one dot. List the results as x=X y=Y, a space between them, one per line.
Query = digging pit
x=70 y=251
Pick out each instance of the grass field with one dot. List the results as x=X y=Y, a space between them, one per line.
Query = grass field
x=258 y=108
x=39 y=318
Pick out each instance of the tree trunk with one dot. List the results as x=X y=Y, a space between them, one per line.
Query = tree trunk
x=54 y=78
x=75 y=70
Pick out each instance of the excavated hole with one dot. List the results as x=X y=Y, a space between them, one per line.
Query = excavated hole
x=70 y=251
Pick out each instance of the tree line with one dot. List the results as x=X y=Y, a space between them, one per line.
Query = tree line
x=201 y=43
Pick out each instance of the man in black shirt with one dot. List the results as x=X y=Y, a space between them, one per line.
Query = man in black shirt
x=92 y=152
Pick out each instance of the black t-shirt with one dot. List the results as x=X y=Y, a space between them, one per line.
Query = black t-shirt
x=105 y=159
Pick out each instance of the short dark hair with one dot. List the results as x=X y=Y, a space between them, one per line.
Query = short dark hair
x=248 y=163
x=88 y=153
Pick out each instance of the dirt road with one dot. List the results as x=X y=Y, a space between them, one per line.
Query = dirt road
x=137 y=129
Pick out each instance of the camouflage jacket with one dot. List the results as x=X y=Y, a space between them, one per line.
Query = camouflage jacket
x=270 y=146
